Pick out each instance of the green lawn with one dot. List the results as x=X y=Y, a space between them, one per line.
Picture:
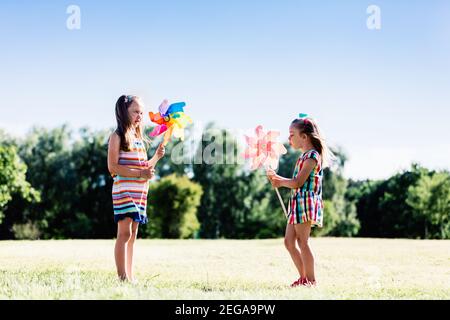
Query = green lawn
x=225 y=269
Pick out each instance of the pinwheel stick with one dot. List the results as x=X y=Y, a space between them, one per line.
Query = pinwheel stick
x=281 y=201
x=167 y=136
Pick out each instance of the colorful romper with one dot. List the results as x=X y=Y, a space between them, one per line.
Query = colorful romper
x=305 y=203
x=130 y=194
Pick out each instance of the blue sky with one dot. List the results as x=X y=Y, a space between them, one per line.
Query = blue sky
x=381 y=95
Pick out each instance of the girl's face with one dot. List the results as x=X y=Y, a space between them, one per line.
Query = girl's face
x=297 y=140
x=135 y=113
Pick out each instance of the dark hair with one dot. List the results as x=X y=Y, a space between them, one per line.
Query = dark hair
x=124 y=122
x=309 y=127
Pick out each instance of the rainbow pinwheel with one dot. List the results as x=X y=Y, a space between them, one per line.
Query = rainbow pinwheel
x=170 y=119
x=265 y=151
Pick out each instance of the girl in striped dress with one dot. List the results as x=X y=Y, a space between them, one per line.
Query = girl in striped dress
x=305 y=208
x=131 y=171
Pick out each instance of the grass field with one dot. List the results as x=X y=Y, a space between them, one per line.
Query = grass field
x=346 y=268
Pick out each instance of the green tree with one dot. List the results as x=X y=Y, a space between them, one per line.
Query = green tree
x=74 y=181
x=91 y=211
x=430 y=199
x=47 y=155
x=7 y=140
x=13 y=181
x=382 y=207
x=361 y=193
x=218 y=180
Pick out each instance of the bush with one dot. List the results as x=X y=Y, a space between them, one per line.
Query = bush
x=172 y=208
x=26 y=231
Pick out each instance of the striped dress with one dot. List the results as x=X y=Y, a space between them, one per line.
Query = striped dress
x=305 y=203
x=130 y=194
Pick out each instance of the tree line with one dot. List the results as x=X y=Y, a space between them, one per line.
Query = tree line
x=55 y=184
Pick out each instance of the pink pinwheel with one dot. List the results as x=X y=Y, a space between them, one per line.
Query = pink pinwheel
x=265 y=152
x=264 y=149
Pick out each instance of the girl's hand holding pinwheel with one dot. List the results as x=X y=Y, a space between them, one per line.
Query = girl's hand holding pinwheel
x=274 y=178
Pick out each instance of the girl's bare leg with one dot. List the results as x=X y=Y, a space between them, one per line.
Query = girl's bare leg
x=130 y=247
x=303 y=231
x=290 y=240
x=123 y=236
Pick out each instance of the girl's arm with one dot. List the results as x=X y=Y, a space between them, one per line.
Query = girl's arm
x=278 y=181
x=113 y=161
x=160 y=151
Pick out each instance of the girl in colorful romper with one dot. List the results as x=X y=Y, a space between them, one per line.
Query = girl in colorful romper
x=305 y=208
x=128 y=165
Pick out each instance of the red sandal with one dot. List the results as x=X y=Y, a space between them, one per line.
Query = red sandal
x=300 y=282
